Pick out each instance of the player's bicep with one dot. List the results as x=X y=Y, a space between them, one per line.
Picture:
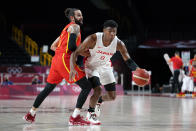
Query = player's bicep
x=88 y=43
x=123 y=50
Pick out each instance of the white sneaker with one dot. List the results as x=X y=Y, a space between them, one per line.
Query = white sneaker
x=92 y=118
x=98 y=110
x=172 y=95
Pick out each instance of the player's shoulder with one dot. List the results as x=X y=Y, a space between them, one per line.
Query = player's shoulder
x=93 y=37
x=74 y=26
x=119 y=42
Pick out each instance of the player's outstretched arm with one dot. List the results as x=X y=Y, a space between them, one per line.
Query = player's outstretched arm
x=123 y=50
x=55 y=44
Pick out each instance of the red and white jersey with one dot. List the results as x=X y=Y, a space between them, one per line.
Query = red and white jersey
x=100 y=54
x=193 y=73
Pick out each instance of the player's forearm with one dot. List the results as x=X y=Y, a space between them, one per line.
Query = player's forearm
x=72 y=67
x=131 y=64
x=72 y=60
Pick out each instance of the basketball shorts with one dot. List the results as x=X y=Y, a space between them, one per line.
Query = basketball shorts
x=60 y=69
x=105 y=75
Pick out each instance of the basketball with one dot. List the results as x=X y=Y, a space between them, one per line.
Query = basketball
x=141 y=77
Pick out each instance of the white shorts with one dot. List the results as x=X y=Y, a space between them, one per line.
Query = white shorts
x=187 y=84
x=105 y=75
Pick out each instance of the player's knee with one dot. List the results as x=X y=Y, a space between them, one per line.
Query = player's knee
x=112 y=96
x=97 y=90
x=84 y=84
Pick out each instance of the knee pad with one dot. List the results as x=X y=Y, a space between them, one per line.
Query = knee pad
x=95 y=81
x=110 y=87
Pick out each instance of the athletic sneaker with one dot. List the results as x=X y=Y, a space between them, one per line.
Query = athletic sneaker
x=92 y=118
x=98 y=109
x=181 y=94
x=78 y=121
x=172 y=95
x=194 y=94
x=28 y=117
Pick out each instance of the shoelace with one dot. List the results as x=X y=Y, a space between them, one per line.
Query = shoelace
x=98 y=107
x=93 y=116
x=30 y=116
x=81 y=118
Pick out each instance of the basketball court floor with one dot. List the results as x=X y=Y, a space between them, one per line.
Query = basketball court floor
x=126 y=113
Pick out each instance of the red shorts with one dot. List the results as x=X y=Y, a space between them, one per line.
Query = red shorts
x=60 y=69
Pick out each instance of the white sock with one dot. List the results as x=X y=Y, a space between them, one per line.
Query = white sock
x=32 y=112
x=76 y=112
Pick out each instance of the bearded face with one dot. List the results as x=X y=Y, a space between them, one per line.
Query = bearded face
x=78 y=18
x=78 y=21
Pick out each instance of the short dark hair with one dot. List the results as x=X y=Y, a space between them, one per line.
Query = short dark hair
x=177 y=53
x=110 y=23
x=70 y=12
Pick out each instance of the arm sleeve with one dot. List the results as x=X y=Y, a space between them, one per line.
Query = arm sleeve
x=131 y=64
x=72 y=42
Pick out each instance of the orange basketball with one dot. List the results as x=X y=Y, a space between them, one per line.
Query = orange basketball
x=141 y=77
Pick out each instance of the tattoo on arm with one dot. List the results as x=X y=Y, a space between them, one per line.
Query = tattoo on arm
x=74 y=29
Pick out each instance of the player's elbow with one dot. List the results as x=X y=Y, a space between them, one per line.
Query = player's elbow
x=52 y=48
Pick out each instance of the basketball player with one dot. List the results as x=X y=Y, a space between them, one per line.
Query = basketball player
x=177 y=65
x=63 y=46
x=189 y=81
x=192 y=71
x=192 y=62
x=102 y=46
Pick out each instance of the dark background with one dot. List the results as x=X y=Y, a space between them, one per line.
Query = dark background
x=138 y=21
